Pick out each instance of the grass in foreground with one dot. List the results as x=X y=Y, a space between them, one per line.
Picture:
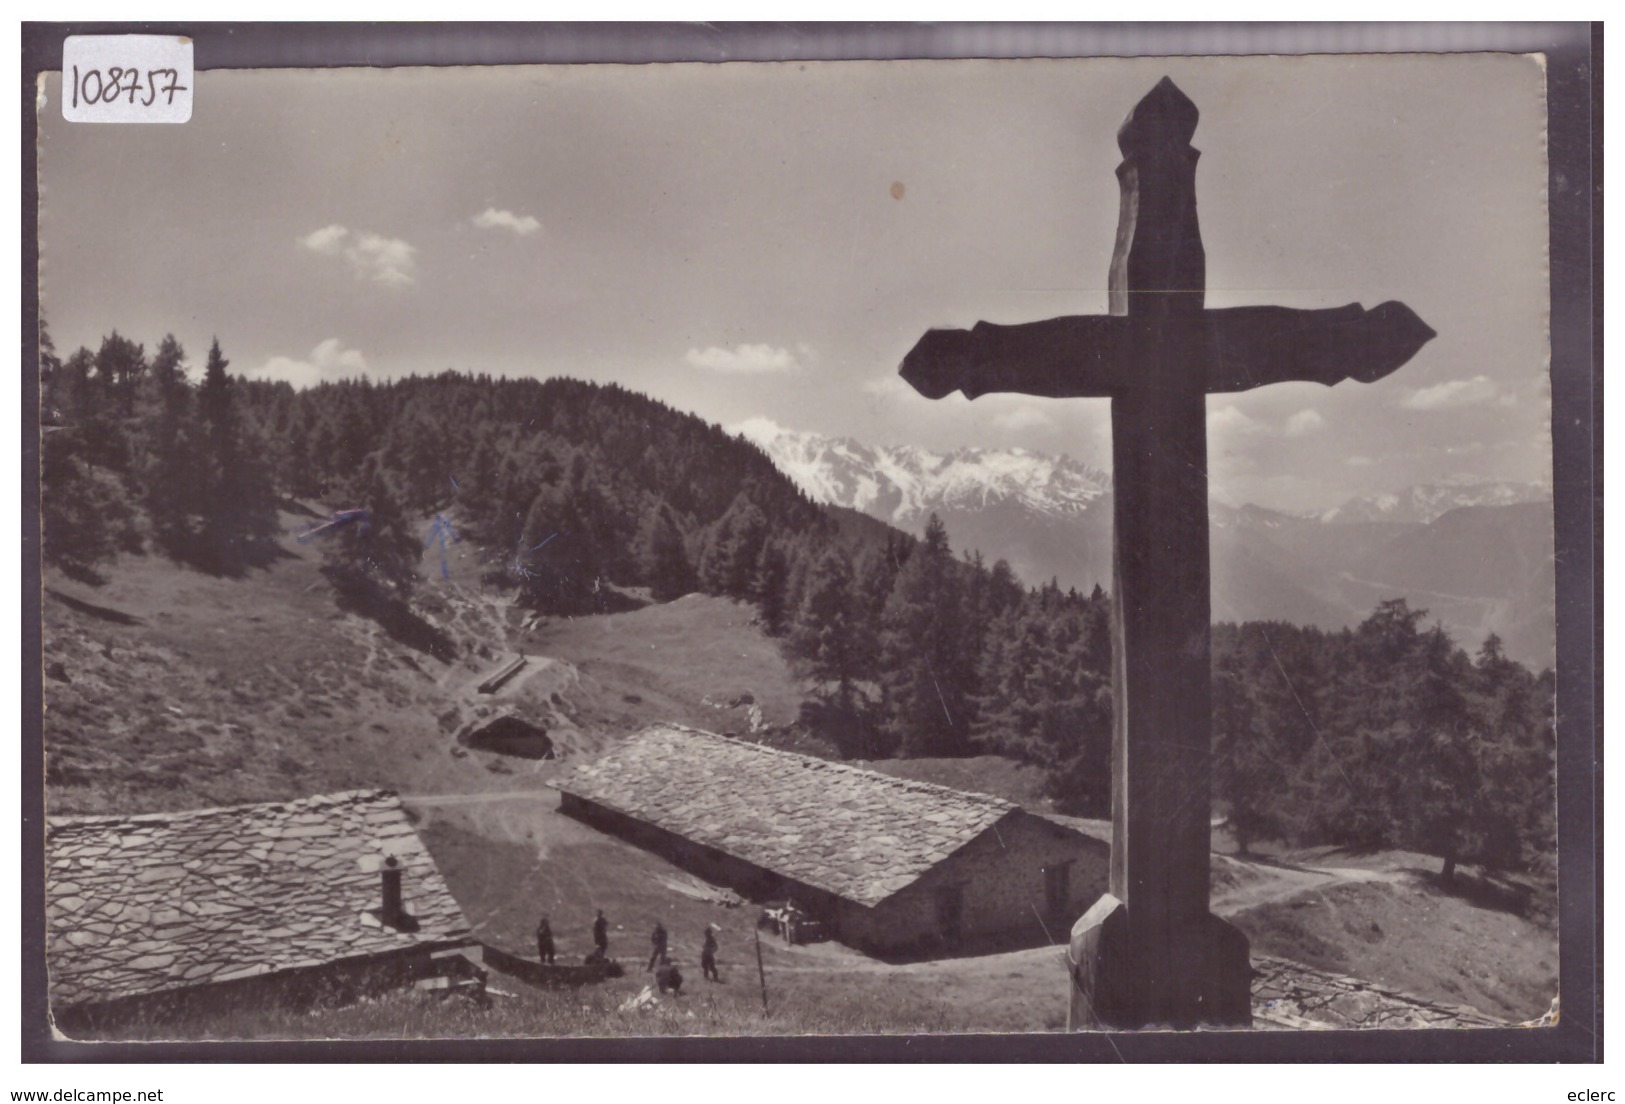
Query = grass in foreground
x=531 y=1014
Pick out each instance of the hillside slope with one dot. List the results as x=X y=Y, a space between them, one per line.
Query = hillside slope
x=170 y=689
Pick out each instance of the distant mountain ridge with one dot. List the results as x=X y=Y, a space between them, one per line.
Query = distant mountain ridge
x=904 y=484
x=1476 y=554
x=1427 y=502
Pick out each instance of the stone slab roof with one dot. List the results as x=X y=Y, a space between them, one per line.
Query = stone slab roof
x=855 y=833
x=1288 y=994
x=144 y=904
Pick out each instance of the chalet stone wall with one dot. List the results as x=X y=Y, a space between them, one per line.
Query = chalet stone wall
x=999 y=875
x=335 y=983
x=1001 y=883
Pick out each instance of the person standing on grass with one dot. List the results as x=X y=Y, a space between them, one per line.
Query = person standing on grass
x=657 y=940
x=708 y=955
x=600 y=935
x=544 y=942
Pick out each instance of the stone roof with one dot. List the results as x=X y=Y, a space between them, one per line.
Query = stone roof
x=855 y=833
x=1289 y=994
x=144 y=904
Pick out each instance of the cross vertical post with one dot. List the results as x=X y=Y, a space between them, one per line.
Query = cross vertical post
x=1187 y=966
x=1150 y=951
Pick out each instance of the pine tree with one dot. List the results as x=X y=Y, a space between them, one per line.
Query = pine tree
x=1439 y=780
x=120 y=364
x=49 y=362
x=925 y=672
x=768 y=587
x=1251 y=758
x=1003 y=589
x=86 y=509
x=662 y=557
x=105 y=402
x=875 y=576
x=729 y=560
x=823 y=634
x=478 y=494
x=1515 y=762
x=237 y=503
x=372 y=561
x=560 y=557
x=173 y=493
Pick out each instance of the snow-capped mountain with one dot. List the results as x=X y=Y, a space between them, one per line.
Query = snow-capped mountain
x=1427 y=502
x=904 y=484
x=1476 y=555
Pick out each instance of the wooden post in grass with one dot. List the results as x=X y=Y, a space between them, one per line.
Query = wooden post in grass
x=760 y=972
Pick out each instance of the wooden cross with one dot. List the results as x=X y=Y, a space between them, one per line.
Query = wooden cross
x=1149 y=951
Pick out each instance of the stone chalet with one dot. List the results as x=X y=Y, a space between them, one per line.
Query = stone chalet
x=213 y=909
x=890 y=865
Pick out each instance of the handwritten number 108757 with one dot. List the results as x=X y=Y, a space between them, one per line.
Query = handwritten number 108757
x=120 y=81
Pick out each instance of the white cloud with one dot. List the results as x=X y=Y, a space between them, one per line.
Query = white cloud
x=1454 y=394
x=493 y=219
x=1304 y=422
x=890 y=385
x=1228 y=421
x=1023 y=417
x=743 y=359
x=388 y=261
x=1359 y=461
x=329 y=239
x=329 y=360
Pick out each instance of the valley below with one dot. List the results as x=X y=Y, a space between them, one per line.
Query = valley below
x=1476 y=555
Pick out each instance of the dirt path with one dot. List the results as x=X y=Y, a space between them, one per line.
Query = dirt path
x=512 y=816
x=442 y=800
x=1260 y=881
x=1264 y=884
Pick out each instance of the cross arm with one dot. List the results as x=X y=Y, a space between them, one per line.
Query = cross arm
x=1254 y=346
x=1091 y=356
x=1083 y=356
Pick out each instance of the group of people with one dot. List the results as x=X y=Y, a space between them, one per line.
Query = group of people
x=546 y=950
x=667 y=976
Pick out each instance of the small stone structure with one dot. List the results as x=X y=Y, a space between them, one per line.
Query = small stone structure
x=502 y=674
x=507 y=734
x=212 y=909
x=890 y=865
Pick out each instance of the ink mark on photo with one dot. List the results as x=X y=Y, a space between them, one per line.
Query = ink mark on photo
x=339 y=518
x=440 y=529
x=520 y=568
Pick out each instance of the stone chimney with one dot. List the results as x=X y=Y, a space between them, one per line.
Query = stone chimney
x=392 y=914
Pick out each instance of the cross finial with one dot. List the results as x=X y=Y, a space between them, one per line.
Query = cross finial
x=1164 y=119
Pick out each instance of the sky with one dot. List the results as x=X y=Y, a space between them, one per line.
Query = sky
x=768 y=240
